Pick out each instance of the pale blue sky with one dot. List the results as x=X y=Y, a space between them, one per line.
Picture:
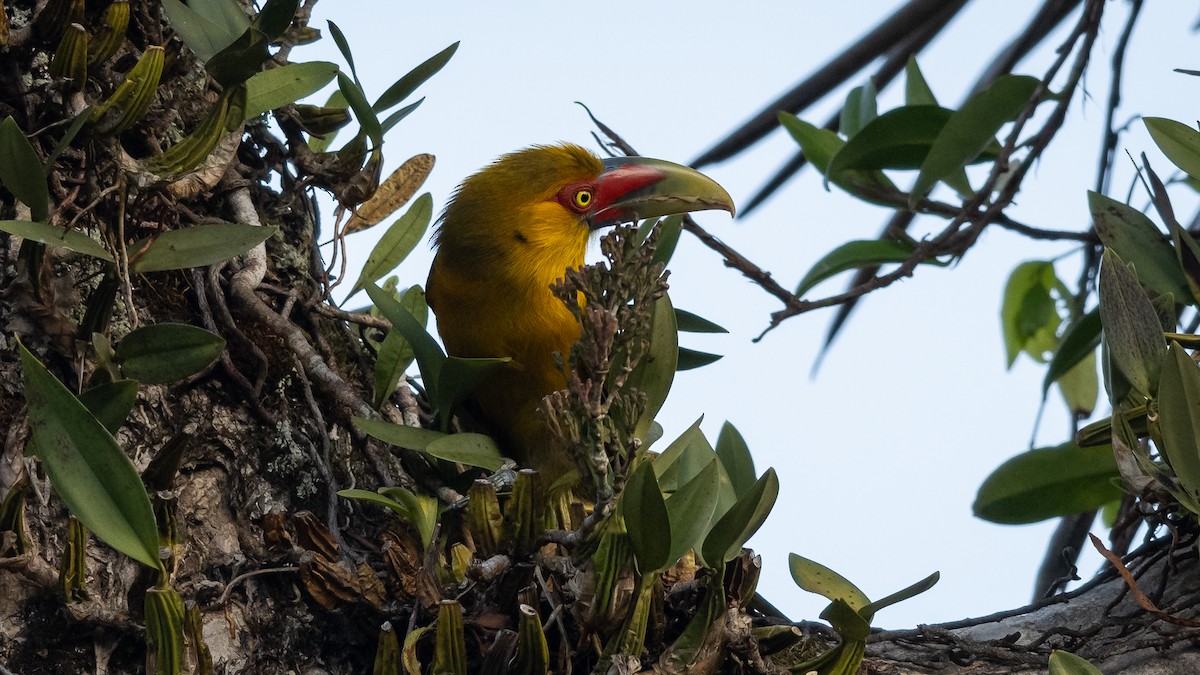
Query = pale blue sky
x=879 y=457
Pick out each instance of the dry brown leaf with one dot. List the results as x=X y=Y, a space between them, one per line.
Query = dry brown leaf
x=392 y=193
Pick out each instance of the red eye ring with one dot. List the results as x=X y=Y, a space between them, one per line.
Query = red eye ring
x=577 y=197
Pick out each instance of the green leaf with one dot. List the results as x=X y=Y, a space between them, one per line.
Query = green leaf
x=898 y=139
x=1029 y=314
x=196 y=246
x=1179 y=416
x=671 y=227
x=1131 y=327
x=1049 y=482
x=277 y=87
x=201 y=27
x=646 y=520
x=689 y=359
x=683 y=459
x=167 y=352
x=399 y=435
x=686 y=322
x=395 y=353
x=1066 y=663
x=1135 y=238
x=1179 y=142
x=429 y=355
x=459 y=377
x=916 y=89
x=275 y=17
x=394 y=119
x=22 y=171
x=972 y=128
x=816 y=578
x=856 y=254
x=111 y=402
x=81 y=119
x=93 y=477
x=690 y=510
x=405 y=86
x=1187 y=254
x=819 y=147
x=901 y=595
x=470 y=449
x=859 y=110
x=241 y=60
x=416 y=509
x=1080 y=387
x=54 y=236
x=343 y=46
x=655 y=373
x=357 y=100
x=1078 y=341
x=742 y=520
x=735 y=457
x=395 y=244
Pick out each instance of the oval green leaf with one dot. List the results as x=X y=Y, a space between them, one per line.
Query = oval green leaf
x=814 y=577
x=395 y=353
x=286 y=84
x=21 y=171
x=1066 y=663
x=167 y=352
x=399 y=435
x=406 y=85
x=54 y=236
x=459 y=377
x=690 y=510
x=1047 y=483
x=428 y=354
x=111 y=402
x=686 y=322
x=395 y=244
x=470 y=449
x=1029 y=314
x=691 y=358
x=856 y=254
x=735 y=457
x=898 y=139
x=93 y=477
x=1179 y=416
x=1137 y=240
x=971 y=129
x=1179 y=142
x=742 y=520
x=1080 y=339
x=646 y=520
x=859 y=110
x=655 y=373
x=1131 y=327
x=196 y=246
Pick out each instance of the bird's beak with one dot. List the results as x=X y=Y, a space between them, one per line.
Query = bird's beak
x=632 y=188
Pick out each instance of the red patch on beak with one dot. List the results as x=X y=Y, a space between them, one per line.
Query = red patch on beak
x=620 y=182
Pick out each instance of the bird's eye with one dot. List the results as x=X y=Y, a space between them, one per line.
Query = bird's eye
x=583 y=199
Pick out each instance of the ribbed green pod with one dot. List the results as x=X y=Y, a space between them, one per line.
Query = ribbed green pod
x=387 y=652
x=69 y=63
x=191 y=152
x=527 y=511
x=484 y=519
x=533 y=653
x=111 y=34
x=450 y=641
x=12 y=515
x=193 y=631
x=164 y=629
x=72 y=569
x=132 y=98
x=55 y=16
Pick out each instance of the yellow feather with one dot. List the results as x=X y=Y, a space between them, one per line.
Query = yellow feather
x=502 y=241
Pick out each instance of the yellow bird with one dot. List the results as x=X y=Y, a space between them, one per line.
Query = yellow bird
x=509 y=232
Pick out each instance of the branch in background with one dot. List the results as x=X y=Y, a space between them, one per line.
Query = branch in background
x=901 y=24
x=1047 y=18
x=898 y=56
